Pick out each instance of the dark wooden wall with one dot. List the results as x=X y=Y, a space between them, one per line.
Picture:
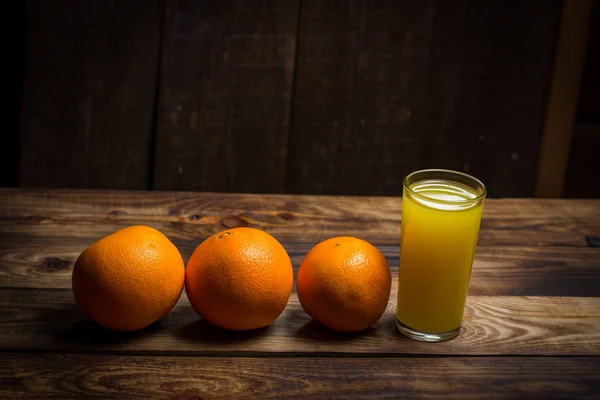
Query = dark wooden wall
x=582 y=170
x=298 y=96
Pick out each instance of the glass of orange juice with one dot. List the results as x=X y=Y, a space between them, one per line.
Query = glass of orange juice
x=441 y=213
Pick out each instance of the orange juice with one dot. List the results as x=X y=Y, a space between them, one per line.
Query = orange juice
x=440 y=225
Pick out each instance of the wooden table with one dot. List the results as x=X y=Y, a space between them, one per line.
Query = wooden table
x=531 y=328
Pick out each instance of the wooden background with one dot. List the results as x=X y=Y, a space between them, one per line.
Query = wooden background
x=298 y=96
x=583 y=161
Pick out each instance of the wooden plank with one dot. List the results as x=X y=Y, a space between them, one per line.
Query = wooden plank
x=386 y=88
x=581 y=171
x=562 y=98
x=70 y=376
x=89 y=93
x=546 y=271
x=49 y=320
x=226 y=82
x=291 y=218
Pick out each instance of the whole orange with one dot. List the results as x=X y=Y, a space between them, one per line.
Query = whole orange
x=129 y=279
x=344 y=283
x=239 y=279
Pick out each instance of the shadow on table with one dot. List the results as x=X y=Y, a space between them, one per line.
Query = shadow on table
x=312 y=330
x=83 y=331
x=302 y=326
x=87 y=332
x=202 y=331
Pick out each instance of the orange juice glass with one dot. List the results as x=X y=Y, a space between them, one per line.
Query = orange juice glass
x=441 y=213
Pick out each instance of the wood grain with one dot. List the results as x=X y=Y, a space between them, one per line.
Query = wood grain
x=543 y=271
x=49 y=320
x=225 y=92
x=386 y=88
x=89 y=93
x=291 y=218
x=68 y=376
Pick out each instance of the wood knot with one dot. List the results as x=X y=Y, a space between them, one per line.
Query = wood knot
x=592 y=241
x=287 y=216
x=194 y=217
x=234 y=222
x=52 y=264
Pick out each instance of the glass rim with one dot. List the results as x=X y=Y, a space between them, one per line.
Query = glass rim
x=445 y=171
